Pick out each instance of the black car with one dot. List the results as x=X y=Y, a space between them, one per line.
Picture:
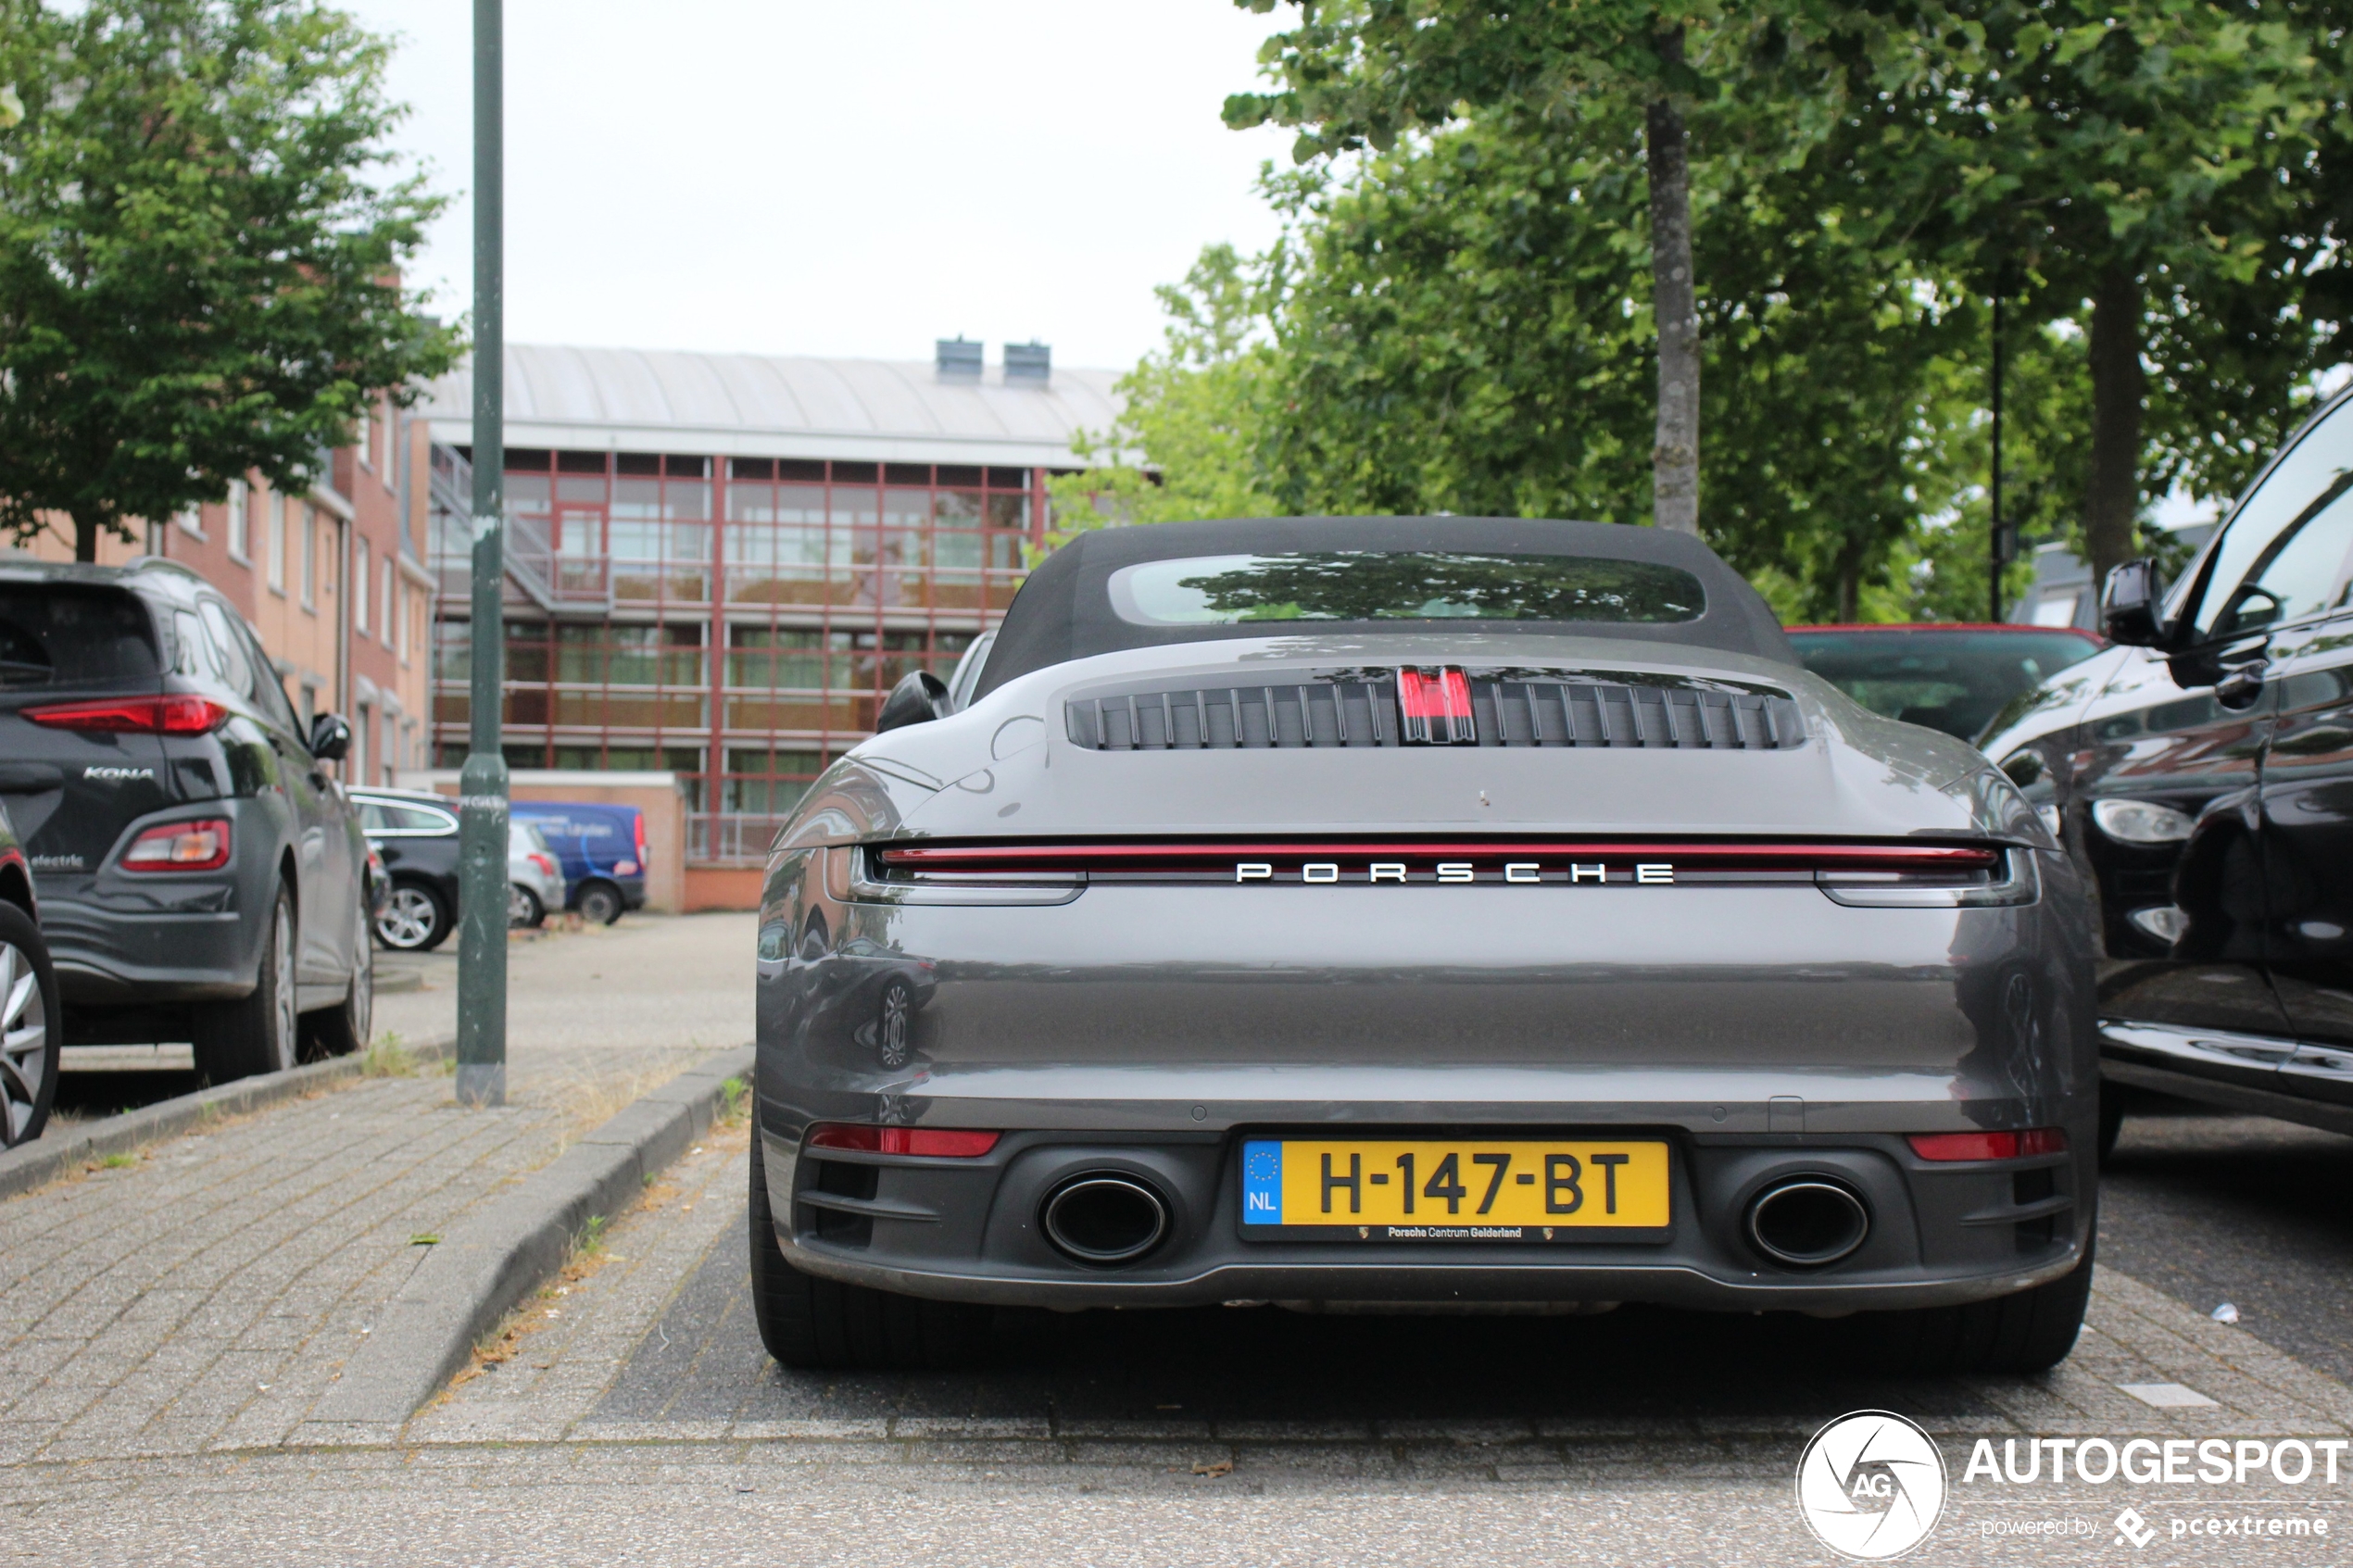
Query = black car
x=30 y=1041
x=416 y=834
x=202 y=877
x=1952 y=678
x=2203 y=777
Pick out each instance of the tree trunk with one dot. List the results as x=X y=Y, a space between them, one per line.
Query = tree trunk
x=2118 y=388
x=85 y=537
x=1675 y=458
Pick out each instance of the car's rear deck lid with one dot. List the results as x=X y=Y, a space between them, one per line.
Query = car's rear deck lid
x=1437 y=704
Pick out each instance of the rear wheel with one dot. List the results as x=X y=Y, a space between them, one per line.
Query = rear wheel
x=600 y=903
x=2032 y=1331
x=822 y=1324
x=256 y=1033
x=32 y=1037
x=524 y=911
x=339 y=1031
x=414 y=919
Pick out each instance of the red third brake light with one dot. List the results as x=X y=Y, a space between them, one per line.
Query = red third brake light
x=1989 y=1146
x=1435 y=705
x=180 y=847
x=950 y=1143
x=172 y=714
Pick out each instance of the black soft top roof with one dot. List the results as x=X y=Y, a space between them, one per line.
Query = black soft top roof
x=1064 y=611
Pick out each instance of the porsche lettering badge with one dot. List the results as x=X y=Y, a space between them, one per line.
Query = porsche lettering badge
x=1644 y=873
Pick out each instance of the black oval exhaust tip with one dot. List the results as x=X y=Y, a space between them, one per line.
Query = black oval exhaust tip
x=1105 y=1218
x=1807 y=1222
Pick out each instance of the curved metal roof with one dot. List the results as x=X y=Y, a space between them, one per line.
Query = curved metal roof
x=773 y=406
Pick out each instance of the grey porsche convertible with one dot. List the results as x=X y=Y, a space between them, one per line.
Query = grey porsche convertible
x=1414 y=914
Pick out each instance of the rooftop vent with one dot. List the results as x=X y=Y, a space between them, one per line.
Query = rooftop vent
x=1028 y=364
x=958 y=361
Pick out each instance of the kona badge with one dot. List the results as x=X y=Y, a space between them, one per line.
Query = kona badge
x=119 y=776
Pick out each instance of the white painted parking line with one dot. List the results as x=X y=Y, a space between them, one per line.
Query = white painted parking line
x=2168 y=1396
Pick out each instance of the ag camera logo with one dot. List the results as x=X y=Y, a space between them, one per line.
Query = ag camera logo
x=1870 y=1485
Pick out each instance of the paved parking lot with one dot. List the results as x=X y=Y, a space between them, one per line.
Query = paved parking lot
x=168 y=1323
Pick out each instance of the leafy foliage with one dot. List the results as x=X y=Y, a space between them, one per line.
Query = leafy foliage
x=1459 y=317
x=197 y=276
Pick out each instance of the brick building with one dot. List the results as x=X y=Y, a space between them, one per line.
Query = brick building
x=334 y=579
x=717 y=564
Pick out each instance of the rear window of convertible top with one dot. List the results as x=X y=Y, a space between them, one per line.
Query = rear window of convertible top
x=1401 y=585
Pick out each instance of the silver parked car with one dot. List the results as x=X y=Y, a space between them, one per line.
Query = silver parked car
x=535 y=882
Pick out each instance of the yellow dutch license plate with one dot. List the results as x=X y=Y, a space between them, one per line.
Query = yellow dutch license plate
x=1454 y=1189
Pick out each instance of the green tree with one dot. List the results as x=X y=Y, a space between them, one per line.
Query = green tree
x=1363 y=74
x=2153 y=168
x=198 y=268
x=1190 y=442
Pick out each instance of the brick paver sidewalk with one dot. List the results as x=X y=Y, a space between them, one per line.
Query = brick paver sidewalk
x=203 y=1294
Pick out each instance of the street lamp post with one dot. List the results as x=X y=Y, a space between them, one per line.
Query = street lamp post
x=482 y=789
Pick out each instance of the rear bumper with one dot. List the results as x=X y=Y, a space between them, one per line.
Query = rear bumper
x=111 y=957
x=1763 y=1034
x=970 y=1230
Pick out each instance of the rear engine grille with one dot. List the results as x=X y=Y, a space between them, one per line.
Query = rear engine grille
x=1508 y=707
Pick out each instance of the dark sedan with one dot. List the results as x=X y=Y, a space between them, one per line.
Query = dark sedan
x=416 y=834
x=2202 y=776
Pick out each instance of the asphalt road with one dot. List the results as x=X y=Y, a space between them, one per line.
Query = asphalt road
x=2211 y=1207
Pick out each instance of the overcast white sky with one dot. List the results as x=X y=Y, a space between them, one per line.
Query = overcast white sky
x=783 y=176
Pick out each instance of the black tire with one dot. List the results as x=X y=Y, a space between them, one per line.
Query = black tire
x=816 y=1323
x=342 y=1029
x=258 y=1033
x=524 y=911
x=599 y=903
x=32 y=1028
x=415 y=919
x=2112 y=1118
x=2032 y=1331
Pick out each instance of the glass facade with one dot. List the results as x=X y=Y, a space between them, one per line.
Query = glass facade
x=737 y=622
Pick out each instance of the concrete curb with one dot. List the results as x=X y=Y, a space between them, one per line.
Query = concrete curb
x=489 y=1263
x=44 y=1159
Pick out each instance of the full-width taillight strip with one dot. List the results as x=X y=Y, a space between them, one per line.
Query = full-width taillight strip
x=1687 y=852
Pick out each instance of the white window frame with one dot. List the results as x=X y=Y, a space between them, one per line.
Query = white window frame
x=278 y=543
x=237 y=519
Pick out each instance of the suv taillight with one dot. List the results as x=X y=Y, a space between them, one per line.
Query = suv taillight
x=180 y=847
x=172 y=714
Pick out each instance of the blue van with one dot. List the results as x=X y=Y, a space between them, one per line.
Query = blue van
x=601 y=848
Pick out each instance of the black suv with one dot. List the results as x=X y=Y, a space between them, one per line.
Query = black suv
x=201 y=876
x=2202 y=775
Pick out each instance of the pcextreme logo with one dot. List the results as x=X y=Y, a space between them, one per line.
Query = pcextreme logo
x=1870 y=1485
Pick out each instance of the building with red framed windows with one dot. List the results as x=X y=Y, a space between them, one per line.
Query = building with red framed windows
x=718 y=564
x=333 y=577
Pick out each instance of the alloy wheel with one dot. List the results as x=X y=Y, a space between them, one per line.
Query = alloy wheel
x=282 y=960
x=24 y=1040
x=410 y=919
x=361 y=1007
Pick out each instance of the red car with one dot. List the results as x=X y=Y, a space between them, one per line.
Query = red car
x=1954 y=677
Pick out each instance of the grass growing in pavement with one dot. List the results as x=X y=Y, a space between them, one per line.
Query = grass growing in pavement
x=733 y=1102
x=388 y=1055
